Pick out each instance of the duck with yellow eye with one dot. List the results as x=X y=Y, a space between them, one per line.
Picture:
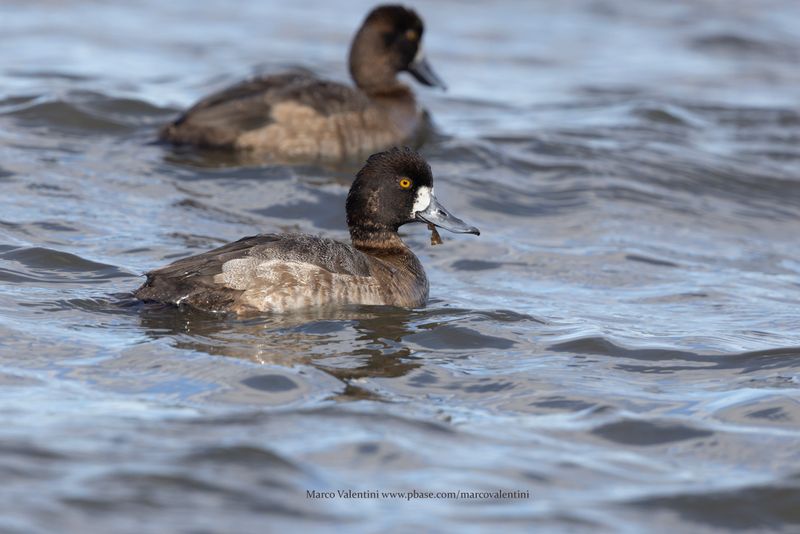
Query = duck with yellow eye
x=298 y=117
x=283 y=272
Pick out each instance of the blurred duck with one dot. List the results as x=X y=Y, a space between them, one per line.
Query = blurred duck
x=298 y=117
x=284 y=272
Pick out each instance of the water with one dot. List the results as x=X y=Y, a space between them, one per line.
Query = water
x=622 y=341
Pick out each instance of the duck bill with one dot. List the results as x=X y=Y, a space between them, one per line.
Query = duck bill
x=423 y=72
x=437 y=215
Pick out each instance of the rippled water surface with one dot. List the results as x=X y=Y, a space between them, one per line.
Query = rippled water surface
x=622 y=341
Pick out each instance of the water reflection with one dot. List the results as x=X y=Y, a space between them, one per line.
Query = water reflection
x=348 y=344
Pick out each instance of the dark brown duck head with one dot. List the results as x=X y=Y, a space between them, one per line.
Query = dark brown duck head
x=388 y=42
x=395 y=188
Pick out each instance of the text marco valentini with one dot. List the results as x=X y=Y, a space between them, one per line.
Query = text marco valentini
x=413 y=494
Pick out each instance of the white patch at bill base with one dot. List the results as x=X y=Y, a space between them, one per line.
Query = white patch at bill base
x=422 y=200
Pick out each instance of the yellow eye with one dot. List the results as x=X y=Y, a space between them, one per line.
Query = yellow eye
x=411 y=35
x=405 y=183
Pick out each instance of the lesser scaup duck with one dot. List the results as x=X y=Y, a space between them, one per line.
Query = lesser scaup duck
x=296 y=116
x=283 y=272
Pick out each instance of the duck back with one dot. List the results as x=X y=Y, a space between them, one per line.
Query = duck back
x=285 y=272
x=297 y=116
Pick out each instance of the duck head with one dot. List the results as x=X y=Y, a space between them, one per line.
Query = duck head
x=388 y=42
x=394 y=188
